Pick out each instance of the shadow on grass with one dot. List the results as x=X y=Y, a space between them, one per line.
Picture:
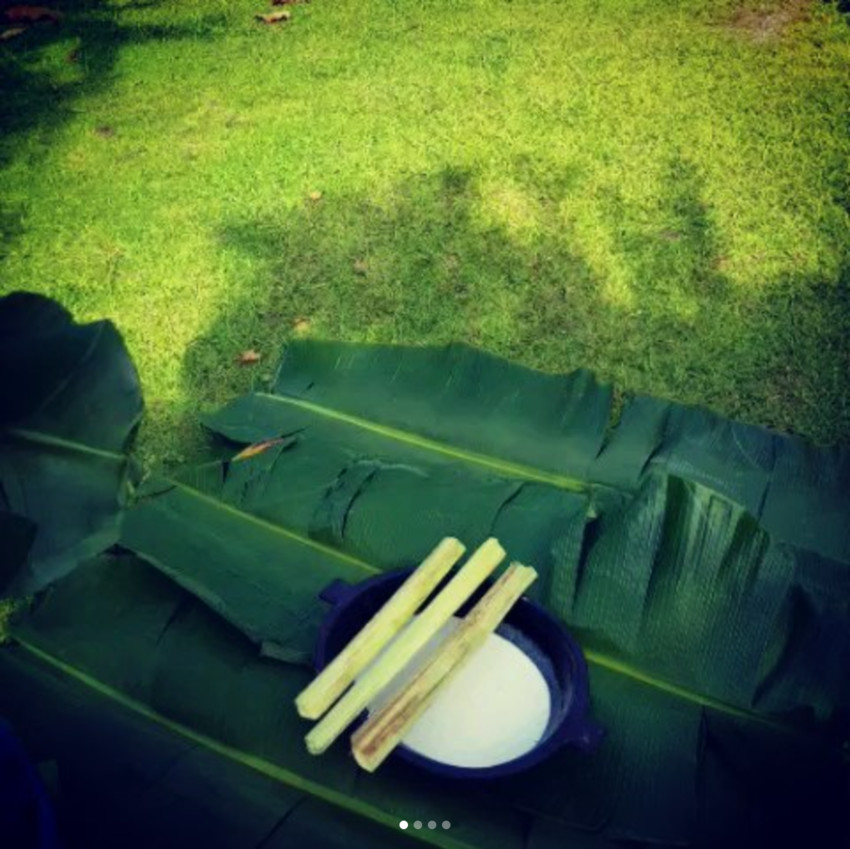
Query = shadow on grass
x=429 y=267
x=37 y=94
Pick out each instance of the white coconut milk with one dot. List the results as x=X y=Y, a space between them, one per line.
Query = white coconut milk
x=494 y=709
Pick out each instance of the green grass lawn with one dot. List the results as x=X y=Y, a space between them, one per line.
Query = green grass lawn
x=655 y=189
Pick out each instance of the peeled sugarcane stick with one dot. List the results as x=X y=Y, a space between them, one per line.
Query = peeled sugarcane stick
x=324 y=690
x=384 y=730
x=421 y=630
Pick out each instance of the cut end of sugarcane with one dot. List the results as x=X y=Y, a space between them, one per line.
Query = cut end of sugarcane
x=317 y=742
x=364 y=760
x=306 y=710
x=491 y=547
x=314 y=747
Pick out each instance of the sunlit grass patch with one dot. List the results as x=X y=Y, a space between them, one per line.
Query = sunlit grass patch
x=642 y=188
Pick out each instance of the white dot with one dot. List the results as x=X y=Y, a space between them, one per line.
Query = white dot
x=432 y=824
x=446 y=824
x=403 y=824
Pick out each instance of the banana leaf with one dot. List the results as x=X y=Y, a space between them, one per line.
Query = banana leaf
x=799 y=492
x=127 y=640
x=679 y=583
x=717 y=649
x=728 y=644
x=126 y=780
x=688 y=608
x=120 y=635
x=470 y=407
x=272 y=530
x=673 y=578
x=69 y=402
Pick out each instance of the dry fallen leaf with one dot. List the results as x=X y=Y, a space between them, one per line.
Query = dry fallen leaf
x=314 y=196
x=360 y=266
x=301 y=326
x=11 y=33
x=104 y=131
x=257 y=448
x=274 y=17
x=32 y=14
x=73 y=56
x=249 y=358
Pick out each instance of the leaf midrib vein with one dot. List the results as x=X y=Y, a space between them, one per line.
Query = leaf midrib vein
x=51 y=441
x=502 y=466
x=271 y=526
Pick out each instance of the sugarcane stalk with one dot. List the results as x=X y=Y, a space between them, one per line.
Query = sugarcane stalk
x=333 y=680
x=400 y=652
x=384 y=730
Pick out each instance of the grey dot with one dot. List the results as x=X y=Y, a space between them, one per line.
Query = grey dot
x=432 y=824
x=446 y=824
x=417 y=824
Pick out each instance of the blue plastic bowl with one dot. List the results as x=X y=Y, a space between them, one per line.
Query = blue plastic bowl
x=527 y=625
